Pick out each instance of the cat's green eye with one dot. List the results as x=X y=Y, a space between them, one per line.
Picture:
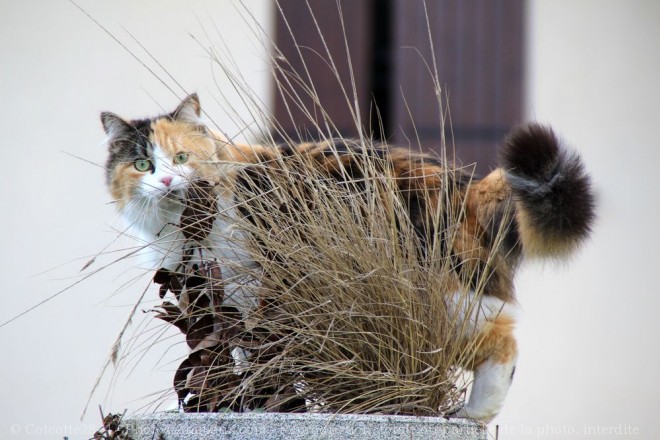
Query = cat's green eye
x=181 y=158
x=142 y=165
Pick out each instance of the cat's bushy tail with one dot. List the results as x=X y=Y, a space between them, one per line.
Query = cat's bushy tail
x=555 y=204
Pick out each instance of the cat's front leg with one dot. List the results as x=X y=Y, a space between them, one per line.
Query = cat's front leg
x=493 y=373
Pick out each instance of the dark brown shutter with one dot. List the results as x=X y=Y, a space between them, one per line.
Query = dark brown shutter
x=478 y=45
x=309 y=59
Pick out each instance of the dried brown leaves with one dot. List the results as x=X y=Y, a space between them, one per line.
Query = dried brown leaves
x=112 y=428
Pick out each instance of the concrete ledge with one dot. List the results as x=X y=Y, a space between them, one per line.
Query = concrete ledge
x=283 y=426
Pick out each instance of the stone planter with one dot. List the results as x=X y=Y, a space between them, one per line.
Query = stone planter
x=286 y=426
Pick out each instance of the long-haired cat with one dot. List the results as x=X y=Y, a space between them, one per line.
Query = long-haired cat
x=539 y=203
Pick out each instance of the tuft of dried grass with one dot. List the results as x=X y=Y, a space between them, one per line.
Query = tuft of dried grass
x=353 y=314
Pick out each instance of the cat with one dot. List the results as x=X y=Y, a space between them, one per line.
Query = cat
x=538 y=204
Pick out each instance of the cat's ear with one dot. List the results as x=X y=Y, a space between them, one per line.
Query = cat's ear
x=113 y=125
x=189 y=110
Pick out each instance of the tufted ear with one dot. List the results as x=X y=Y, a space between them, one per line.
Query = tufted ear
x=113 y=125
x=189 y=110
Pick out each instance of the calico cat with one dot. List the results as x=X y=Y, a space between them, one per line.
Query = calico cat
x=539 y=203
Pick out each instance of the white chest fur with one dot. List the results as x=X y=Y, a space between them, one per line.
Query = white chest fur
x=156 y=226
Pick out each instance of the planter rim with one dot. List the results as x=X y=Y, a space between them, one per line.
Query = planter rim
x=263 y=425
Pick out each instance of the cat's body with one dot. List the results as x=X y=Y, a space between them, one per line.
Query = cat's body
x=539 y=203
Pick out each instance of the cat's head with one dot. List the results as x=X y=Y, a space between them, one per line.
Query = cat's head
x=154 y=159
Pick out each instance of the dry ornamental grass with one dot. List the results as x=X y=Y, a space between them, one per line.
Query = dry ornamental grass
x=353 y=315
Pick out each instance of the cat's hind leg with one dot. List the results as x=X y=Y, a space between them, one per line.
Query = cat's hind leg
x=493 y=366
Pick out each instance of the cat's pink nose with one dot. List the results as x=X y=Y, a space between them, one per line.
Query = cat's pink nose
x=167 y=180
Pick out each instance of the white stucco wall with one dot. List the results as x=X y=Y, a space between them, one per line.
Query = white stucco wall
x=58 y=71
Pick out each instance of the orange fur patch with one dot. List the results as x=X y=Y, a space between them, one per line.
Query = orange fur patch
x=496 y=341
x=175 y=137
x=123 y=183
